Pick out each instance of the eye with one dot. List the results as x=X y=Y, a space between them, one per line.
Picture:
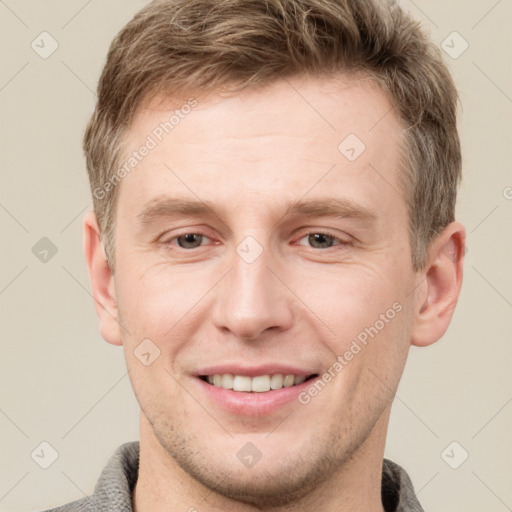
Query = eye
x=316 y=239
x=321 y=240
x=188 y=240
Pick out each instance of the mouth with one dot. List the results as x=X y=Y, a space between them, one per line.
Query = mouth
x=256 y=384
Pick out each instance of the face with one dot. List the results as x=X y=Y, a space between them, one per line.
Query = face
x=250 y=242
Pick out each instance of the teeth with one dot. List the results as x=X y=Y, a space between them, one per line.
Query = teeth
x=276 y=381
x=227 y=381
x=241 y=383
x=258 y=384
x=288 y=381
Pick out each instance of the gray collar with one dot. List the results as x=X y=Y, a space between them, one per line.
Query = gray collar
x=114 y=488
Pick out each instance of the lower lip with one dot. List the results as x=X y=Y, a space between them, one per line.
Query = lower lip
x=252 y=404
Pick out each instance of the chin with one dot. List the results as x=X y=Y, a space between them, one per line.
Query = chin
x=261 y=487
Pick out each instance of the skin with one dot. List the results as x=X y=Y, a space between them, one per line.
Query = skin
x=299 y=302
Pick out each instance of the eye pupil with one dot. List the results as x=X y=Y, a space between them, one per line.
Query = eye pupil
x=324 y=240
x=189 y=238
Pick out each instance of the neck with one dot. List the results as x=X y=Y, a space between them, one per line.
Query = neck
x=162 y=485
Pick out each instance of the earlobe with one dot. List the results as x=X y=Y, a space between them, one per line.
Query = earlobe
x=102 y=281
x=439 y=292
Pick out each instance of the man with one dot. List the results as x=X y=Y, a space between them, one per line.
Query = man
x=274 y=186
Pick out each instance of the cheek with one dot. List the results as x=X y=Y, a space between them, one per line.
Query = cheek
x=153 y=303
x=367 y=311
x=351 y=299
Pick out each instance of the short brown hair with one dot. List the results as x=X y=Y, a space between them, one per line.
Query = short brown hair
x=173 y=46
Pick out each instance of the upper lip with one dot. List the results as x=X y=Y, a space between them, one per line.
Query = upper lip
x=253 y=371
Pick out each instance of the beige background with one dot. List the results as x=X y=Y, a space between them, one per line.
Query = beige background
x=61 y=383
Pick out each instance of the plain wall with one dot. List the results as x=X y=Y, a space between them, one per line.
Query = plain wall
x=61 y=383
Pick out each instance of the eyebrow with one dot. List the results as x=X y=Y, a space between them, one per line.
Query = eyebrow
x=341 y=208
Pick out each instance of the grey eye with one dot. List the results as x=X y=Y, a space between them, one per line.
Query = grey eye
x=320 y=240
x=189 y=240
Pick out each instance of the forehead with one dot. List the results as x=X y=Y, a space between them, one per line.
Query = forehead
x=288 y=137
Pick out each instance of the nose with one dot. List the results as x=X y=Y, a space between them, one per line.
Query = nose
x=252 y=300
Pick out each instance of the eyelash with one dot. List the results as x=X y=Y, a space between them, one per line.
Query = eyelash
x=202 y=233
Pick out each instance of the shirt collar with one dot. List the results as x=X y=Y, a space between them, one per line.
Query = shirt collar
x=115 y=486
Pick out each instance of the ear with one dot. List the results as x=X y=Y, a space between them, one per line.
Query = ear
x=102 y=281
x=439 y=291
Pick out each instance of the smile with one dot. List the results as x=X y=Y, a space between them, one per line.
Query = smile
x=256 y=384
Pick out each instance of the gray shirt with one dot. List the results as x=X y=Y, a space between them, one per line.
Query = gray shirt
x=113 y=491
